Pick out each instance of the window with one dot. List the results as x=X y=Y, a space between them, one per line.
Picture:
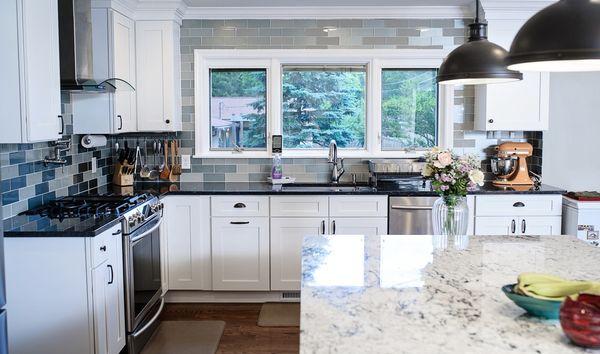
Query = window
x=238 y=118
x=374 y=103
x=323 y=103
x=409 y=114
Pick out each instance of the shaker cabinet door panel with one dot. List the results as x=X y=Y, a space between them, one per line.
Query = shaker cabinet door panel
x=240 y=253
x=124 y=115
x=496 y=225
x=359 y=226
x=287 y=235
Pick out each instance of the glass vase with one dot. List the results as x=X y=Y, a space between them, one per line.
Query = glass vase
x=450 y=216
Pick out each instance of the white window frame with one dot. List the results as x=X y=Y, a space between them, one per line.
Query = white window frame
x=272 y=61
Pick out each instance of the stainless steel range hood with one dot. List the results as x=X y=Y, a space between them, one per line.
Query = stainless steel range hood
x=76 y=57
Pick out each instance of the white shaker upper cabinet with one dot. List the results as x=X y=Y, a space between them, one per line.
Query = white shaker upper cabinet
x=158 y=76
x=522 y=105
x=114 y=57
x=30 y=70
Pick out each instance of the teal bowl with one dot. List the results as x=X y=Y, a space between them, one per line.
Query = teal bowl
x=537 y=307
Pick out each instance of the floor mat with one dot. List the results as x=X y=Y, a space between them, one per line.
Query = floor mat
x=185 y=337
x=278 y=314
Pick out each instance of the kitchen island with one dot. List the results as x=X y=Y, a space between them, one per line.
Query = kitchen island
x=430 y=294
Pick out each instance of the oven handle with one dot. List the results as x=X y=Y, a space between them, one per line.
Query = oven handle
x=162 y=305
x=412 y=207
x=151 y=230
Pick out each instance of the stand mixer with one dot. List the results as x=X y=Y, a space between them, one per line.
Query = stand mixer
x=510 y=165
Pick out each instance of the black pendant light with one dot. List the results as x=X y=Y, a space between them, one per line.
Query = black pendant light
x=564 y=36
x=478 y=61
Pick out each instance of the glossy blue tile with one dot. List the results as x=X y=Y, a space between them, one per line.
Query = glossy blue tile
x=48 y=197
x=10 y=197
x=18 y=182
x=41 y=188
x=48 y=175
x=73 y=190
x=25 y=168
x=5 y=186
x=34 y=202
x=16 y=157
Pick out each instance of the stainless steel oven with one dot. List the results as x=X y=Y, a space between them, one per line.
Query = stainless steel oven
x=143 y=288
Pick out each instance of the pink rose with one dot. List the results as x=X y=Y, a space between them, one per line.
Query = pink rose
x=444 y=158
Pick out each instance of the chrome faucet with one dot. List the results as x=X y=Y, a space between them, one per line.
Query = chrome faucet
x=337 y=163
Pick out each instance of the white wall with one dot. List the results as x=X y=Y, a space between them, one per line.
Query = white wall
x=571 y=158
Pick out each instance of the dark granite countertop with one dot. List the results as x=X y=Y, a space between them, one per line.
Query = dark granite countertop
x=225 y=188
x=39 y=226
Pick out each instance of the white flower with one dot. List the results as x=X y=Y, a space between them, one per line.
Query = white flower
x=476 y=176
x=427 y=171
x=444 y=158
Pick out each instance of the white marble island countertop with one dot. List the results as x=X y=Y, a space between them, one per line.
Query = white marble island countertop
x=425 y=294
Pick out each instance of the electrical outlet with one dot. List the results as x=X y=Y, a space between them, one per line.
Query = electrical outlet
x=94 y=164
x=186 y=162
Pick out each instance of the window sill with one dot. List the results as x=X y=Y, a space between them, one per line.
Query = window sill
x=290 y=154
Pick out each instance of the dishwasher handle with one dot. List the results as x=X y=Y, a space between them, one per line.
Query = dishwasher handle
x=410 y=207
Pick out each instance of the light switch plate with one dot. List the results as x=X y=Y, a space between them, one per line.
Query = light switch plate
x=186 y=162
x=94 y=164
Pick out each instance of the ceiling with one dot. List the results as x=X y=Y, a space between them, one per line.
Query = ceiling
x=341 y=3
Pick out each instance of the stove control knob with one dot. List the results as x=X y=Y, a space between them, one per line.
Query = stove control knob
x=132 y=221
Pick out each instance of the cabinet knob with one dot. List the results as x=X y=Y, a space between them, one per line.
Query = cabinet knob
x=168 y=121
x=103 y=248
x=490 y=120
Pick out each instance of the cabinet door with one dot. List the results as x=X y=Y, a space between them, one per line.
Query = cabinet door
x=41 y=71
x=188 y=243
x=358 y=206
x=359 y=226
x=10 y=95
x=99 y=289
x=496 y=225
x=158 y=76
x=240 y=253
x=115 y=297
x=287 y=235
x=522 y=105
x=123 y=32
x=540 y=225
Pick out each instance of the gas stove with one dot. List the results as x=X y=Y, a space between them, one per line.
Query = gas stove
x=134 y=210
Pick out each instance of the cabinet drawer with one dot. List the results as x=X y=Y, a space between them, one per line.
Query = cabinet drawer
x=102 y=247
x=304 y=206
x=518 y=205
x=240 y=206
x=358 y=206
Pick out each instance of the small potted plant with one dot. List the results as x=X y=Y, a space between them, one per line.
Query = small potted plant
x=451 y=176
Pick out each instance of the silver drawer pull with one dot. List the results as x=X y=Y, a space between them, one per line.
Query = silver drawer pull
x=239 y=222
x=519 y=205
x=239 y=205
x=404 y=207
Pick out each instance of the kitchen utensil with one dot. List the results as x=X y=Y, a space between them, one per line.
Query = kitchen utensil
x=510 y=164
x=145 y=171
x=537 y=307
x=580 y=320
x=166 y=171
x=177 y=164
x=172 y=176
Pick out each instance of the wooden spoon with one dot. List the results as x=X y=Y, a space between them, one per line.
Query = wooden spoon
x=172 y=176
x=166 y=172
x=177 y=164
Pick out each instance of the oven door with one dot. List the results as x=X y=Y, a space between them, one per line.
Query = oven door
x=143 y=288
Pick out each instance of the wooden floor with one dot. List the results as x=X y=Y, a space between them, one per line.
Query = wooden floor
x=242 y=334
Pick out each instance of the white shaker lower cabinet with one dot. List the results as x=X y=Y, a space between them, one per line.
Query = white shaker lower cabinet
x=188 y=242
x=240 y=253
x=76 y=299
x=287 y=235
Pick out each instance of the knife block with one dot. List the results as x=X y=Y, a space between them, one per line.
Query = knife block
x=122 y=176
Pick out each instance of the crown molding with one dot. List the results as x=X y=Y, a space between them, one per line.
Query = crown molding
x=165 y=10
x=513 y=9
x=329 y=12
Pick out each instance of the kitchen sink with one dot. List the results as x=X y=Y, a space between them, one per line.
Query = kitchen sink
x=325 y=188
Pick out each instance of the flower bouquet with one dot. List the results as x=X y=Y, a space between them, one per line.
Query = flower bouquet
x=451 y=176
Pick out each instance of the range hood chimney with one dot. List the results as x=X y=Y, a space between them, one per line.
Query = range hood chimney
x=76 y=57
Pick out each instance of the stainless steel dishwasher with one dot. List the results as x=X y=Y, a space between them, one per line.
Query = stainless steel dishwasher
x=410 y=215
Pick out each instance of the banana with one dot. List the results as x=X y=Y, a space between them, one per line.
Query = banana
x=532 y=278
x=549 y=287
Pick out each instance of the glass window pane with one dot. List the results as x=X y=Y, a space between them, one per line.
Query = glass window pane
x=324 y=103
x=238 y=116
x=409 y=109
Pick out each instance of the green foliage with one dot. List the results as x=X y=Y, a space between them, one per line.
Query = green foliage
x=320 y=106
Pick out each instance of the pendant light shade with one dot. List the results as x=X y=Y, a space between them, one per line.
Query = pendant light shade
x=478 y=61
x=564 y=36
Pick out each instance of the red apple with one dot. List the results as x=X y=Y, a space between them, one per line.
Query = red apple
x=580 y=320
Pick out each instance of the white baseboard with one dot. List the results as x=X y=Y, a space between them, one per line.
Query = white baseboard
x=182 y=296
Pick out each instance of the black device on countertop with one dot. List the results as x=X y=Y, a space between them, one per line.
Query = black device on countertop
x=277 y=145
